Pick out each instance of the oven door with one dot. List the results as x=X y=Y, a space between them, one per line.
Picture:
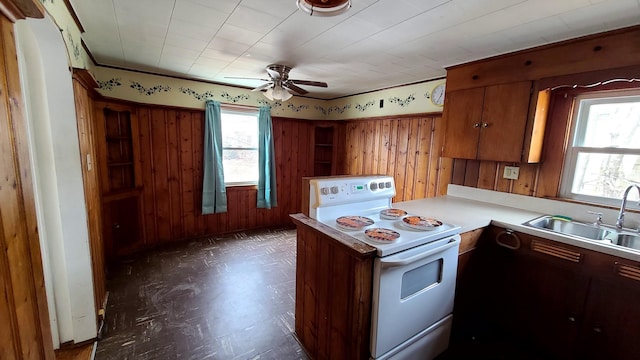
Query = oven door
x=412 y=290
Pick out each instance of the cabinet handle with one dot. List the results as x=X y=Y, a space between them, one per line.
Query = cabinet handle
x=476 y=125
x=597 y=329
x=510 y=233
x=484 y=125
x=572 y=319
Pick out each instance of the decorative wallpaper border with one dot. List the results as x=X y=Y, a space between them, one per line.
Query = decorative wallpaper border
x=161 y=90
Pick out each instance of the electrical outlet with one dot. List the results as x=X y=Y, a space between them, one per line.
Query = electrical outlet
x=511 y=172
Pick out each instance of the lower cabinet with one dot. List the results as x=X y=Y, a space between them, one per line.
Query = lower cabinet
x=562 y=301
x=122 y=231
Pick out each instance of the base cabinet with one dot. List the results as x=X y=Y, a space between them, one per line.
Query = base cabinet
x=562 y=301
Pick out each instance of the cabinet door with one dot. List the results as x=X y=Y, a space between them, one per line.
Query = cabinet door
x=122 y=226
x=462 y=117
x=529 y=298
x=613 y=321
x=504 y=120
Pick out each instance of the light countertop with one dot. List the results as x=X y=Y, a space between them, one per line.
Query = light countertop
x=472 y=209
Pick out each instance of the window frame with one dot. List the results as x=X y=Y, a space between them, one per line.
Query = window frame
x=238 y=111
x=577 y=131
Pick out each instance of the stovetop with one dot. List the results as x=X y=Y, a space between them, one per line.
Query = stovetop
x=409 y=237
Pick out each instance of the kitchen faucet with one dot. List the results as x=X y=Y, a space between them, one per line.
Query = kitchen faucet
x=620 y=220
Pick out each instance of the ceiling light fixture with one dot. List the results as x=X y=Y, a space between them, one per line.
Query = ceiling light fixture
x=277 y=93
x=324 y=7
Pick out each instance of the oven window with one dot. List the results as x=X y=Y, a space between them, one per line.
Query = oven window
x=420 y=278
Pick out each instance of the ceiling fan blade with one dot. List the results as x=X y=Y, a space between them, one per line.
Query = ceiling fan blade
x=309 y=83
x=298 y=90
x=245 y=78
x=275 y=75
x=263 y=86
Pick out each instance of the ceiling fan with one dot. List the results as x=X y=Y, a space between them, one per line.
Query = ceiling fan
x=278 y=86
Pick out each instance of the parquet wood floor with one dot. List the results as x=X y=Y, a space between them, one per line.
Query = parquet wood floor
x=219 y=298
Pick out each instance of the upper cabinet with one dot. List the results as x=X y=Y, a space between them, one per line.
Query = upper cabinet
x=496 y=108
x=487 y=123
x=118 y=148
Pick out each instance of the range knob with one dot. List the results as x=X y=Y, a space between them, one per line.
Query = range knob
x=373 y=186
x=388 y=184
x=381 y=185
x=324 y=191
x=334 y=189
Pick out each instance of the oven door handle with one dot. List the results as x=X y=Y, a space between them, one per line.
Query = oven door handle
x=391 y=262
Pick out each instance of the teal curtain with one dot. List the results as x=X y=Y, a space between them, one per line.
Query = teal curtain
x=267 y=194
x=214 y=193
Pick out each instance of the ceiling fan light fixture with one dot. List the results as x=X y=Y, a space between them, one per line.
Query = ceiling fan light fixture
x=278 y=93
x=324 y=7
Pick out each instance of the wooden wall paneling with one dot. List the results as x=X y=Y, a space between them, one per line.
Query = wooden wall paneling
x=291 y=150
x=197 y=141
x=341 y=273
x=440 y=168
x=149 y=223
x=187 y=203
x=412 y=156
x=445 y=175
x=160 y=173
x=401 y=159
x=525 y=184
x=502 y=184
x=458 y=171
x=368 y=148
x=423 y=172
x=471 y=173
x=173 y=175
x=92 y=190
x=377 y=147
x=393 y=147
x=309 y=250
x=487 y=175
x=9 y=334
x=385 y=147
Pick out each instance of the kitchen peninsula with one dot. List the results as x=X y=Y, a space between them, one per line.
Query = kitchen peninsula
x=564 y=296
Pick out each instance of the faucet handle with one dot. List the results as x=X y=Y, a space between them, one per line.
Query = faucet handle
x=598 y=215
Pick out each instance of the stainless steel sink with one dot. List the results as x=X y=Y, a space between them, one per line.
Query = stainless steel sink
x=627 y=240
x=573 y=228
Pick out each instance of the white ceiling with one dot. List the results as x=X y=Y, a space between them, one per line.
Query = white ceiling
x=376 y=44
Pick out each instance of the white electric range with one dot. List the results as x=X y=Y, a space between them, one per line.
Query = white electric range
x=414 y=274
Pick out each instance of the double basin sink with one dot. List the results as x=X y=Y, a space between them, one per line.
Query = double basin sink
x=600 y=233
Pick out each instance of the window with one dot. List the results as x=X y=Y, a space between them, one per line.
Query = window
x=240 y=146
x=603 y=156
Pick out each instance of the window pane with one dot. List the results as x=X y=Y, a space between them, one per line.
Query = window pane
x=240 y=165
x=239 y=130
x=606 y=175
x=611 y=124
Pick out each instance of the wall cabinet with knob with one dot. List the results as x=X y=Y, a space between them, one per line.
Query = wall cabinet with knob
x=117 y=136
x=487 y=123
x=564 y=301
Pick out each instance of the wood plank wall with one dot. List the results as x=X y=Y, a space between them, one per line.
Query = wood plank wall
x=171 y=142
x=91 y=183
x=488 y=175
x=25 y=331
x=407 y=148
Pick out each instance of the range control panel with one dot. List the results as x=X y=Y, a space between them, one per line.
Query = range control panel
x=343 y=190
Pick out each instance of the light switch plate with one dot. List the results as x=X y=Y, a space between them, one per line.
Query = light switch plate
x=511 y=172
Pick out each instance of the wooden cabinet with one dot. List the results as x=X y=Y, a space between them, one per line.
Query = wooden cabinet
x=119 y=159
x=566 y=302
x=487 y=123
x=324 y=151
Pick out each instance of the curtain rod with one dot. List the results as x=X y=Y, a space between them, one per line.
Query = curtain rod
x=238 y=106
